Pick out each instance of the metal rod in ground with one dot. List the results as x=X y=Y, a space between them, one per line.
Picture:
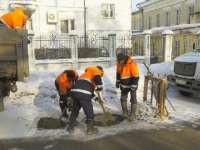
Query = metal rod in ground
x=171 y=104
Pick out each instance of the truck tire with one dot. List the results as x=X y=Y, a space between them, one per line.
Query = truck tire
x=1 y=101
x=185 y=93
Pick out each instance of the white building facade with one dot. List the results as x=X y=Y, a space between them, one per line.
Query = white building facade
x=56 y=18
x=62 y=16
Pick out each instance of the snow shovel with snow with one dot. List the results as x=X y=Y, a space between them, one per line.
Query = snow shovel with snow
x=107 y=116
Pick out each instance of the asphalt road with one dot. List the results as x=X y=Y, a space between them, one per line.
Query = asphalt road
x=186 y=139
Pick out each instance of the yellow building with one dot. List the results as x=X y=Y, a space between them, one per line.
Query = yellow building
x=180 y=16
x=159 y=13
x=137 y=21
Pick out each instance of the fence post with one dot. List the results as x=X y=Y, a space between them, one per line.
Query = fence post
x=74 y=50
x=167 y=45
x=147 y=48
x=198 y=37
x=112 y=47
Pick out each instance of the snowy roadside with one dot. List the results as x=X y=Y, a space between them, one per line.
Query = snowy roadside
x=37 y=97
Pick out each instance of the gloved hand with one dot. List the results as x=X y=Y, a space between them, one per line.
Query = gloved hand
x=95 y=98
x=117 y=85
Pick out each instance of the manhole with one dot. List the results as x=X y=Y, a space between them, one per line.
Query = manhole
x=99 y=120
x=57 y=123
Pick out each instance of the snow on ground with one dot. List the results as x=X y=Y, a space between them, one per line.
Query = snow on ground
x=37 y=97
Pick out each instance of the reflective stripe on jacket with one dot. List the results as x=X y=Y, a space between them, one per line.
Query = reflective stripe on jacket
x=128 y=75
x=87 y=82
x=64 y=83
x=15 y=19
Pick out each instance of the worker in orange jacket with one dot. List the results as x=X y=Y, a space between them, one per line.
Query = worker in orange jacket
x=127 y=78
x=82 y=94
x=64 y=82
x=16 y=19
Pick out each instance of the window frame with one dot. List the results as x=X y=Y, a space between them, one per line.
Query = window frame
x=190 y=10
x=109 y=14
x=69 y=25
x=167 y=19
x=158 y=20
x=178 y=17
x=149 y=22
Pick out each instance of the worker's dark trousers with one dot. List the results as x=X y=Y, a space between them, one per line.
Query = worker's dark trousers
x=124 y=96
x=87 y=108
x=63 y=98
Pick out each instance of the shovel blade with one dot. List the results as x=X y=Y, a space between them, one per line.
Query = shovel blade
x=108 y=116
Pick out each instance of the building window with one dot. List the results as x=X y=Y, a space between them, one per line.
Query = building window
x=190 y=11
x=149 y=25
x=107 y=11
x=176 y=48
x=158 y=20
x=133 y=25
x=140 y=24
x=67 y=25
x=168 y=19
x=178 y=17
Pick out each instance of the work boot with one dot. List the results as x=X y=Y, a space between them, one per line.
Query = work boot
x=90 y=128
x=70 y=128
x=133 y=111
x=124 y=109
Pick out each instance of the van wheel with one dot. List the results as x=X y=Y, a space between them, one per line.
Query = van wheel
x=185 y=93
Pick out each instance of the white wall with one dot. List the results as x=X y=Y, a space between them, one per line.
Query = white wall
x=74 y=9
x=121 y=21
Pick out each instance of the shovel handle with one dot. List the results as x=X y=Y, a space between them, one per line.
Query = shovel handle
x=101 y=103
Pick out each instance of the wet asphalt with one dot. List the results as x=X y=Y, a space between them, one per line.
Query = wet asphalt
x=188 y=138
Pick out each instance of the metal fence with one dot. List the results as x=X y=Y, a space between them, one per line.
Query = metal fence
x=93 y=46
x=124 y=44
x=183 y=42
x=52 y=46
x=137 y=44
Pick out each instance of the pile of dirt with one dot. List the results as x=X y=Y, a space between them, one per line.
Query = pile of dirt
x=49 y=123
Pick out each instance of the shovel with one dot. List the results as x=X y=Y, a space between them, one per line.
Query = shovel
x=108 y=116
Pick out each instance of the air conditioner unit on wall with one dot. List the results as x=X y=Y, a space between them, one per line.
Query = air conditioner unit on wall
x=52 y=17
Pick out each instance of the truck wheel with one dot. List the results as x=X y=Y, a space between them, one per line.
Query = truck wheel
x=1 y=101
x=185 y=93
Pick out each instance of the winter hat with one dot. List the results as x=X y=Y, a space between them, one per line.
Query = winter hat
x=70 y=74
x=99 y=67
x=120 y=57
x=27 y=12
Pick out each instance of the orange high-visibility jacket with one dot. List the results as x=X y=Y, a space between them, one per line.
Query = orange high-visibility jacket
x=87 y=82
x=15 y=19
x=128 y=75
x=90 y=72
x=64 y=83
